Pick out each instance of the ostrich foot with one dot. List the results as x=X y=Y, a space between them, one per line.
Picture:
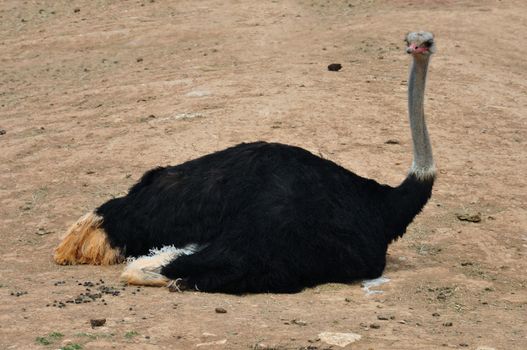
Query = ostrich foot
x=146 y=270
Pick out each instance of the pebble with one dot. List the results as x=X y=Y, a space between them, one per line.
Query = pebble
x=2 y=132
x=220 y=310
x=339 y=339
x=299 y=322
x=469 y=217
x=375 y=326
x=385 y=317
x=98 y=322
x=334 y=67
x=448 y=324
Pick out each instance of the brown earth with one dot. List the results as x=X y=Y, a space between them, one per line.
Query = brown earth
x=94 y=93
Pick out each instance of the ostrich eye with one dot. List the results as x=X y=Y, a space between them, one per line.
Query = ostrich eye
x=428 y=43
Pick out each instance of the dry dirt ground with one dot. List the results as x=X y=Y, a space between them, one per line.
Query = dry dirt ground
x=94 y=93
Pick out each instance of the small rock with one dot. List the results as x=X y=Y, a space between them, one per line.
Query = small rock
x=77 y=10
x=299 y=322
x=385 y=317
x=139 y=59
x=375 y=326
x=448 y=324
x=335 y=67
x=391 y=142
x=339 y=339
x=98 y=322
x=217 y=342
x=220 y=310
x=2 y=132
x=435 y=314
x=469 y=217
x=464 y=345
x=41 y=231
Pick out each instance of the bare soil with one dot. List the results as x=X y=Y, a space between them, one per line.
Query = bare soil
x=94 y=93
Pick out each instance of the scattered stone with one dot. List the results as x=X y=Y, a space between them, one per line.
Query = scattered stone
x=77 y=10
x=299 y=322
x=335 y=67
x=385 y=317
x=109 y=290
x=464 y=345
x=18 y=293
x=90 y=172
x=339 y=339
x=448 y=324
x=41 y=231
x=391 y=142
x=139 y=59
x=469 y=217
x=435 y=314
x=2 y=132
x=98 y=322
x=375 y=326
x=348 y=300
x=466 y=263
x=220 y=310
x=216 y=342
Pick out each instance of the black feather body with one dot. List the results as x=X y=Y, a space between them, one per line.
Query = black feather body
x=269 y=218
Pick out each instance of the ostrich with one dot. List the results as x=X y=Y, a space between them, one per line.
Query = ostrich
x=259 y=217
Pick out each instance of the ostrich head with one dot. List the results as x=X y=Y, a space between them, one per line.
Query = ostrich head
x=420 y=43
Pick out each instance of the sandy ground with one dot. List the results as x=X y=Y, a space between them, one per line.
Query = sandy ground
x=94 y=93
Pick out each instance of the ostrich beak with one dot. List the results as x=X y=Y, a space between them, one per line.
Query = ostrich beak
x=413 y=49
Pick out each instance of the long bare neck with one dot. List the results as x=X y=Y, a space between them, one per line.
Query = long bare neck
x=423 y=163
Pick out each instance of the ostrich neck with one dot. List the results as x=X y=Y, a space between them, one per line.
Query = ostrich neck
x=423 y=162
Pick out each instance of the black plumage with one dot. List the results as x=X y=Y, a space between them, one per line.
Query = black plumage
x=271 y=218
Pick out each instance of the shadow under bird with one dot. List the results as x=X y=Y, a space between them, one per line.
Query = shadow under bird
x=259 y=217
